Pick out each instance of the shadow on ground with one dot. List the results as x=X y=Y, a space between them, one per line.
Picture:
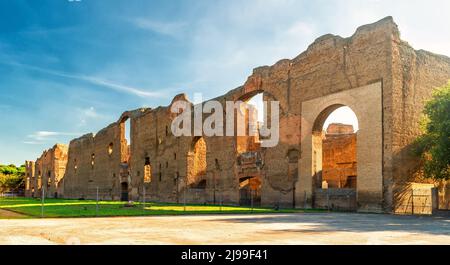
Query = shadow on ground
x=354 y=222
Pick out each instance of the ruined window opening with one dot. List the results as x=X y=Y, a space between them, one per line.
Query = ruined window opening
x=253 y=110
x=167 y=164
x=127 y=132
x=27 y=185
x=49 y=179
x=334 y=140
x=147 y=170
x=92 y=161
x=174 y=156
x=196 y=161
x=160 y=176
x=258 y=102
x=201 y=184
x=110 y=149
x=293 y=155
x=167 y=131
x=175 y=180
x=216 y=163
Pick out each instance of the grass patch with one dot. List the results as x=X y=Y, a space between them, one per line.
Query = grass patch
x=54 y=208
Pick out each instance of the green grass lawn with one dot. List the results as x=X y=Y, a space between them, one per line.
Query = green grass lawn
x=87 y=208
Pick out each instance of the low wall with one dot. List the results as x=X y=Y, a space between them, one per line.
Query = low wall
x=417 y=198
x=335 y=199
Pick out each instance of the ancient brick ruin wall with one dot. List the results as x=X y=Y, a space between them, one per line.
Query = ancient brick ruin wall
x=415 y=74
x=47 y=172
x=101 y=162
x=152 y=139
x=331 y=64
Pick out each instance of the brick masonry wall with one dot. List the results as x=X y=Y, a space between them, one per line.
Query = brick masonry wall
x=332 y=64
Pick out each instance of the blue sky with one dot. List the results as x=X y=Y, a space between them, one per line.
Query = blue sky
x=69 y=68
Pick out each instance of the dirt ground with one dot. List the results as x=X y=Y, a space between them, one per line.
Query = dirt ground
x=10 y=215
x=308 y=228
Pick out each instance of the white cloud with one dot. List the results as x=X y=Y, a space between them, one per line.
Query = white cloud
x=33 y=142
x=45 y=136
x=97 y=81
x=172 y=29
x=87 y=115
x=91 y=113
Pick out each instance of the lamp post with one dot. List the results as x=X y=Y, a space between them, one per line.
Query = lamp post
x=42 y=201
x=96 y=205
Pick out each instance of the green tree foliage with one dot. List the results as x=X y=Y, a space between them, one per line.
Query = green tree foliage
x=12 y=178
x=434 y=145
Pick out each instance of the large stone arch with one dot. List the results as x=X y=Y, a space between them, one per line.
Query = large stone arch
x=196 y=163
x=274 y=171
x=366 y=102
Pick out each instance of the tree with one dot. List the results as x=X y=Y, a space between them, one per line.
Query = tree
x=12 y=178
x=433 y=146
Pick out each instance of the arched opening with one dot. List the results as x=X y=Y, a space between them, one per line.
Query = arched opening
x=196 y=164
x=110 y=149
x=248 y=148
x=334 y=144
x=335 y=158
x=124 y=191
x=92 y=160
x=125 y=139
x=147 y=170
x=49 y=179
x=250 y=191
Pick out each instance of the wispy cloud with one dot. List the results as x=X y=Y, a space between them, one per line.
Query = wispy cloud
x=89 y=114
x=40 y=137
x=33 y=142
x=95 y=81
x=172 y=29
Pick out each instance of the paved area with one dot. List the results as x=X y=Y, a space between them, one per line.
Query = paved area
x=310 y=228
